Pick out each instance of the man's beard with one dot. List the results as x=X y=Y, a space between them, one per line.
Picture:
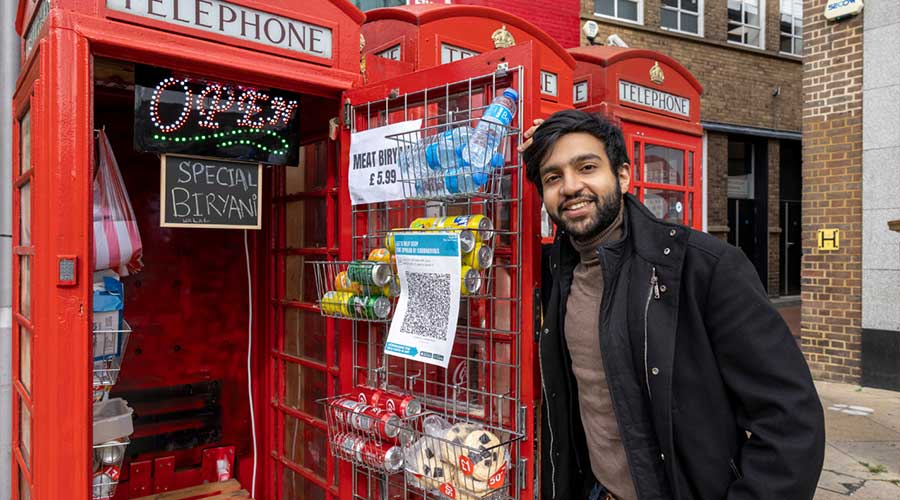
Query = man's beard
x=607 y=210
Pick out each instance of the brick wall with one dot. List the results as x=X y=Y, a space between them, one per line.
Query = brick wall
x=774 y=242
x=831 y=290
x=738 y=82
x=717 y=184
x=558 y=18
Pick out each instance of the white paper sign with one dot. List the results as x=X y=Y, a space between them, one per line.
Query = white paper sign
x=374 y=176
x=424 y=324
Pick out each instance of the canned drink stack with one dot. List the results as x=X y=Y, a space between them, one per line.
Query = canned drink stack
x=369 y=273
x=467 y=237
x=477 y=223
x=404 y=405
x=470 y=281
x=480 y=258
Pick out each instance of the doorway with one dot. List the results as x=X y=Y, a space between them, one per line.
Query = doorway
x=747 y=199
x=791 y=192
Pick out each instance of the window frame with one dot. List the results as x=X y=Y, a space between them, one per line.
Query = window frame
x=761 y=4
x=794 y=38
x=678 y=11
x=615 y=17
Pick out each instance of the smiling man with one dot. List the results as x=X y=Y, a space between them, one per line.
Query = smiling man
x=666 y=373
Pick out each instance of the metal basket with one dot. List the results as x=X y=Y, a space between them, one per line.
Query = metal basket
x=106 y=368
x=436 y=163
x=365 y=440
x=354 y=300
x=459 y=460
x=108 y=458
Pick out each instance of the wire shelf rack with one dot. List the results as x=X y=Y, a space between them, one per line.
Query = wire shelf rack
x=437 y=162
x=360 y=290
x=108 y=458
x=482 y=381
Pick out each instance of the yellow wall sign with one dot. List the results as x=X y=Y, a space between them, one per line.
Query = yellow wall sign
x=828 y=239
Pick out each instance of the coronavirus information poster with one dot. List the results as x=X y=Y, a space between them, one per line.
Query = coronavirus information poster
x=424 y=324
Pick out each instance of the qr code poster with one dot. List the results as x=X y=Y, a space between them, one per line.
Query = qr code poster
x=424 y=324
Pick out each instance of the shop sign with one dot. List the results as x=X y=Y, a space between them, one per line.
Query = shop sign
x=548 y=83
x=175 y=113
x=839 y=9
x=374 y=176
x=644 y=96
x=37 y=24
x=233 y=21
x=580 y=92
x=206 y=192
x=450 y=53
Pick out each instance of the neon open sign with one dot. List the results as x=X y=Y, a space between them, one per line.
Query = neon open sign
x=182 y=114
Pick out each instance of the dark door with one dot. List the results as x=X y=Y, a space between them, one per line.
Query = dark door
x=791 y=190
x=747 y=199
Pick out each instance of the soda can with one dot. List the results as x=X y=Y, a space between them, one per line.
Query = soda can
x=377 y=307
x=343 y=408
x=477 y=223
x=404 y=405
x=424 y=223
x=380 y=255
x=389 y=242
x=470 y=281
x=337 y=303
x=466 y=241
x=481 y=257
x=366 y=272
x=349 y=446
x=110 y=453
x=392 y=289
x=378 y=421
x=343 y=283
x=382 y=456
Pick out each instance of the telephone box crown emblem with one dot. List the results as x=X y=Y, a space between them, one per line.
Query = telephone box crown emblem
x=503 y=38
x=656 y=74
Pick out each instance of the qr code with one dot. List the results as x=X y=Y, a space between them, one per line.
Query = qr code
x=428 y=310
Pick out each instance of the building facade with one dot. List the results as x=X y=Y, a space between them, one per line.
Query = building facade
x=747 y=56
x=851 y=114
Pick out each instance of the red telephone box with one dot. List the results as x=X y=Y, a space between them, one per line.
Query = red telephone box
x=229 y=354
x=204 y=295
x=658 y=102
x=424 y=36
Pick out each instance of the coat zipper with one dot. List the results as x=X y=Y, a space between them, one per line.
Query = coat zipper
x=548 y=404
x=653 y=294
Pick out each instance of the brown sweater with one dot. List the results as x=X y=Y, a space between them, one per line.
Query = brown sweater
x=608 y=460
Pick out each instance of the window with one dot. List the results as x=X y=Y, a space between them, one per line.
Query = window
x=745 y=22
x=365 y=5
x=682 y=15
x=792 y=27
x=626 y=10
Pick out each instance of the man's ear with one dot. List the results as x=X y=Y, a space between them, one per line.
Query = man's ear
x=624 y=177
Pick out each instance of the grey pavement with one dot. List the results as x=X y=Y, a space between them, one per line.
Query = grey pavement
x=862 y=456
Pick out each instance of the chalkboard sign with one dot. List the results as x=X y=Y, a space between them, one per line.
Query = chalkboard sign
x=177 y=113
x=207 y=192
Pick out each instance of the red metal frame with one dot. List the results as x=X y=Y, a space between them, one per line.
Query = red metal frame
x=59 y=70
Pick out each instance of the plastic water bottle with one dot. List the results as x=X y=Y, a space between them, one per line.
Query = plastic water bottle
x=443 y=153
x=482 y=151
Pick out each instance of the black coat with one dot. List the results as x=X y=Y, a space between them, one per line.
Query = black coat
x=711 y=393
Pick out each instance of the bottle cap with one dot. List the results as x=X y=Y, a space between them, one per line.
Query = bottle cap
x=512 y=94
x=498 y=161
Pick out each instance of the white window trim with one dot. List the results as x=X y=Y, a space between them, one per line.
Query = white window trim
x=699 y=32
x=640 y=14
x=794 y=37
x=762 y=29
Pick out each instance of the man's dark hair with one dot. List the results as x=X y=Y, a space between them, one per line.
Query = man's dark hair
x=567 y=122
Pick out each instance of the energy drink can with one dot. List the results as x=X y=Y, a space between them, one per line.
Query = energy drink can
x=343 y=283
x=337 y=303
x=382 y=456
x=366 y=272
x=380 y=255
x=480 y=258
x=470 y=281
